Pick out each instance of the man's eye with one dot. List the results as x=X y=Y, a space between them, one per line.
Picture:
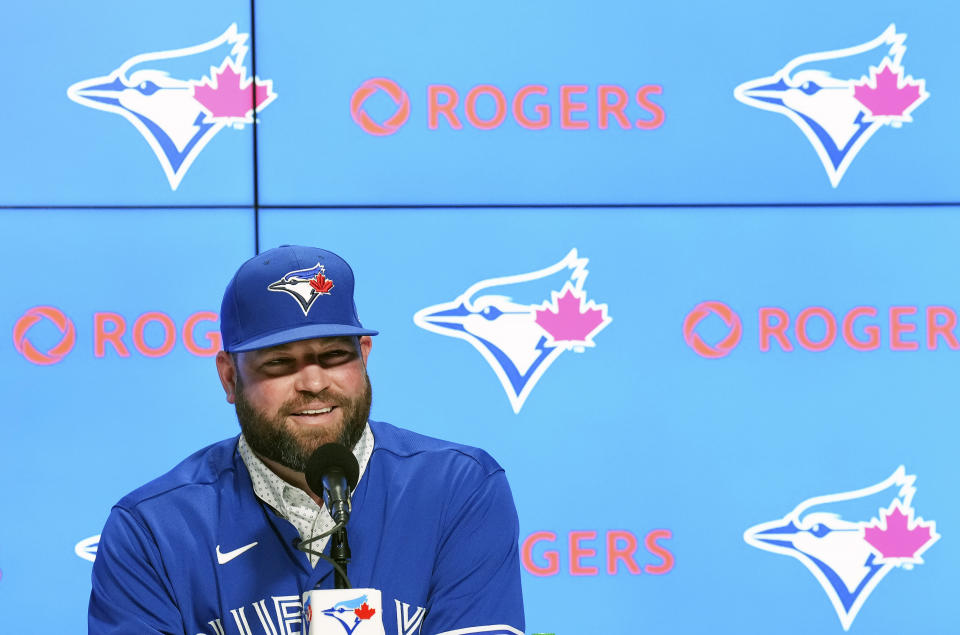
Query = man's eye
x=277 y=362
x=336 y=357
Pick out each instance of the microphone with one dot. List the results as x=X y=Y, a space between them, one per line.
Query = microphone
x=332 y=472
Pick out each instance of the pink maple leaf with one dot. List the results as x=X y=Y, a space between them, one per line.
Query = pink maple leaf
x=888 y=93
x=898 y=536
x=570 y=319
x=229 y=95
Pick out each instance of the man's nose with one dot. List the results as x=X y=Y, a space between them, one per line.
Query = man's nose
x=312 y=378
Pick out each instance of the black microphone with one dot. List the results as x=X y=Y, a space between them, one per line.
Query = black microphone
x=333 y=472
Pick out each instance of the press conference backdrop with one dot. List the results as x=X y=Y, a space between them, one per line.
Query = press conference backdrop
x=705 y=252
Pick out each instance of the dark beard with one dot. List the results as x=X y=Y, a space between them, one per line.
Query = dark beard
x=271 y=438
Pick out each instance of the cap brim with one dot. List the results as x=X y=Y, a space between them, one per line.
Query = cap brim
x=296 y=334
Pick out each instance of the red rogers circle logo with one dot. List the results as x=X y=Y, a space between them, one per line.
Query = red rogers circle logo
x=724 y=346
x=397 y=119
x=55 y=354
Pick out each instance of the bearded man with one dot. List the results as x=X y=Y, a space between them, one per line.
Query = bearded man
x=216 y=545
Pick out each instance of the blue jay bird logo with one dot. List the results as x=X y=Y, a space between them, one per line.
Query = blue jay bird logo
x=840 y=98
x=304 y=285
x=87 y=548
x=522 y=323
x=350 y=613
x=852 y=540
x=180 y=99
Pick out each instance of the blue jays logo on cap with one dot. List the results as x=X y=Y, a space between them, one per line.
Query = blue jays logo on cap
x=305 y=285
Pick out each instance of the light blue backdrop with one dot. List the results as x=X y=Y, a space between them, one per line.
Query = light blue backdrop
x=701 y=448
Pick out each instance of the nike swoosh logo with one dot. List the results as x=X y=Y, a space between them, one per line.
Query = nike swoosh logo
x=224 y=558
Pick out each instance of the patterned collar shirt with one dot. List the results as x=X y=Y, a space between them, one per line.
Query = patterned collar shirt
x=291 y=502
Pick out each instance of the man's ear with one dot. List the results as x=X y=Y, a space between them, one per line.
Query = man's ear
x=227 y=369
x=366 y=343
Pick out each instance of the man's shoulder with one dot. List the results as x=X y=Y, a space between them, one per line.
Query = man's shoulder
x=430 y=452
x=205 y=468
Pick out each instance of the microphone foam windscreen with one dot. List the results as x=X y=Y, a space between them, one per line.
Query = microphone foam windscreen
x=327 y=456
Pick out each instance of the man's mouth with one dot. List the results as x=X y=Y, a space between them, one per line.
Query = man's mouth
x=312 y=414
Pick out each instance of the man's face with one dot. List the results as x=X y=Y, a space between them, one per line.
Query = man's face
x=293 y=398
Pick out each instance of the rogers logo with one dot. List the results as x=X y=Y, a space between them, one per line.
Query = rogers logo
x=397 y=94
x=586 y=551
x=58 y=351
x=819 y=328
x=725 y=345
x=533 y=107
x=152 y=334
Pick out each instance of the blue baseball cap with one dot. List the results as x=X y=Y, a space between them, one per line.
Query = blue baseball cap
x=287 y=294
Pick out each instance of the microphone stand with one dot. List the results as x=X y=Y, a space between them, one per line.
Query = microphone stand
x=340 y=552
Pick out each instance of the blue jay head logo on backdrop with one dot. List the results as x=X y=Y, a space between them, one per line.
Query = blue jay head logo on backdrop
x=852 y=540
x=304 y=285
x=839 y=99
x=522 y=323
x=180 y=99
x=87 y=548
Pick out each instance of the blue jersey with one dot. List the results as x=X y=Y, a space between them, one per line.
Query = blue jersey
x=433 y=527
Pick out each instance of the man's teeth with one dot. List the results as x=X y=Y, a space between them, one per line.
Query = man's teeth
x=322 y=411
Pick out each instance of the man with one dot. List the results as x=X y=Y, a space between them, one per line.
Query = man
x=212 y=546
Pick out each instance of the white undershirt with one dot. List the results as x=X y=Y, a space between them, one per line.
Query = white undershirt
x=292 y=503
